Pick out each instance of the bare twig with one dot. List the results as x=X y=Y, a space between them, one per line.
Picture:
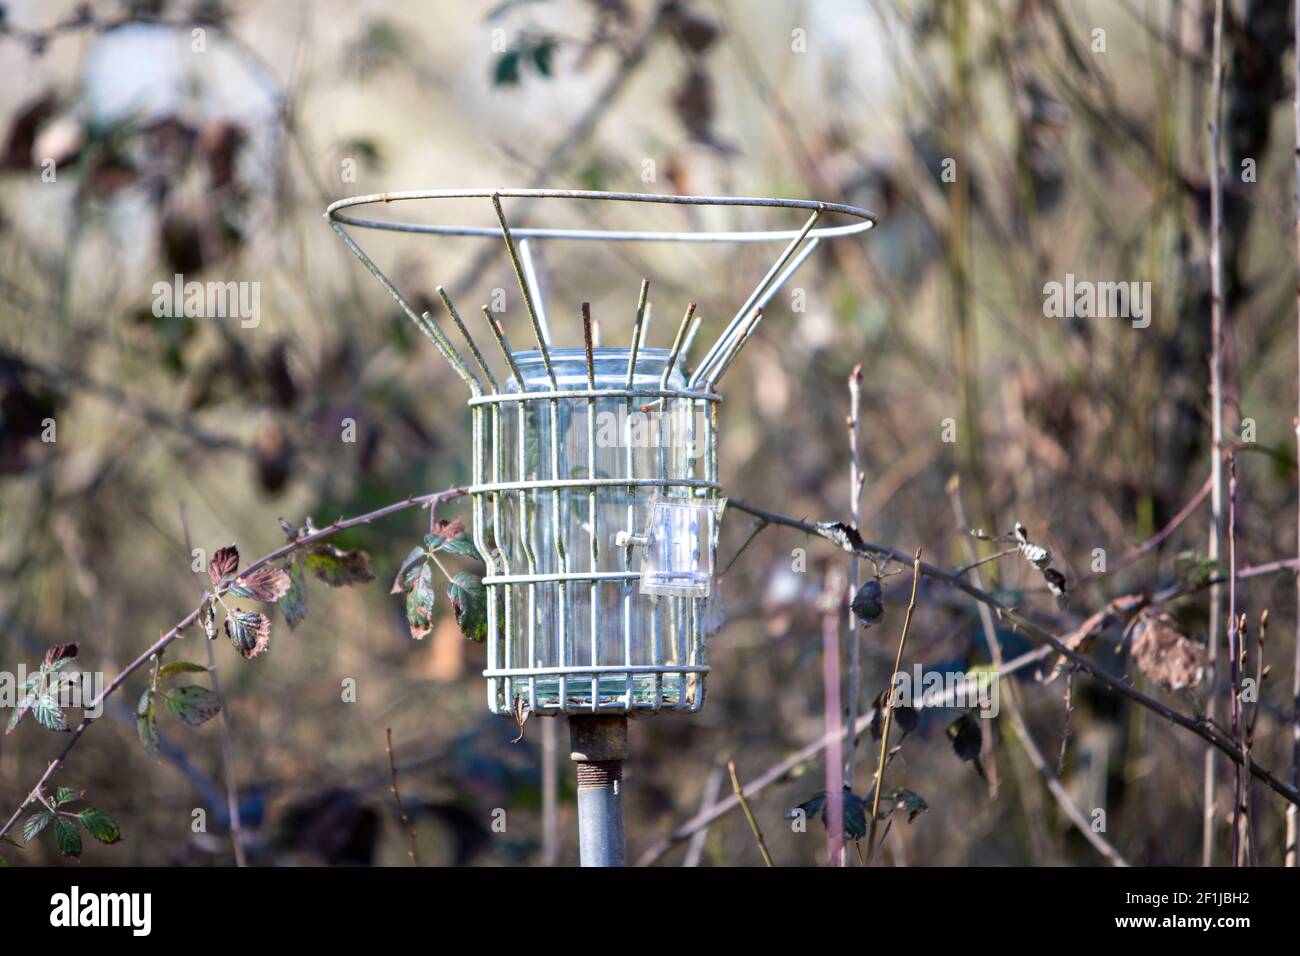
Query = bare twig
x=1292 y=817
x=856 y=480
x=889 y=710
x=708 y=801
x=1216 y=403
x=744 y=806
x=832 y=603
x=1234 y=659
x=1066 y=720
x=754 y=533
x=414 y=851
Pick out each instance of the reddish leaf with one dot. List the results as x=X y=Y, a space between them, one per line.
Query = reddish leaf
x=59 y=652
x=224 y=563
x=267 y=584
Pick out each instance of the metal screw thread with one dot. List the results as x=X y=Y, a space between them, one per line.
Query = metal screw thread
x=599 y=775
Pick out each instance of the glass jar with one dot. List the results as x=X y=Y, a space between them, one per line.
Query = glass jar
x=590 y=581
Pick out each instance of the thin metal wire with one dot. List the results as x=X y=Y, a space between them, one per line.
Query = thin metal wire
x=469 y=339
x=677 y=344
x=592 y=512
x=733 y=329
x=725 y=362
x=523 y=287
x=866 y=219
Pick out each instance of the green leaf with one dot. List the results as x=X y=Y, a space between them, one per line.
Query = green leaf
x=405 y=574
x=67 y=795
x=192 y=704
x=20 y=711
x=507 y=71
x=907 y=800
x=267 y=584
x=100 y=825
x=249 y=631
x=181 y=667
x=294 y=603
x=868 y=604
x=967 y=740
x=542 y=56
x=146 y=723
x=855 y=812
x=469 y=599
x=451 y=536
x=37 y=822
x=337 y=567
x=419 y=603
x=48 y=714
x=68 y=837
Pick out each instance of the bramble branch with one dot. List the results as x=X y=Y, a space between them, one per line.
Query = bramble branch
x=302 y=541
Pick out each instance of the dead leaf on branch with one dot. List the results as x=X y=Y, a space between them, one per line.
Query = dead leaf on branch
x=224 y=563
x=268 y=584
x=1166 y=656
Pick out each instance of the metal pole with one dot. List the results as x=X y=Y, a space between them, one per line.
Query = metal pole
x=599 y=746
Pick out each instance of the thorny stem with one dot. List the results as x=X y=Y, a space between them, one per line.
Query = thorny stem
x=889 y=710
x=189 y=620
x=1198 y=726
x=414 y=851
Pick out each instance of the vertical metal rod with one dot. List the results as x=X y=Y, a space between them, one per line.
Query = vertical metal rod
x=691 y=334
x=591 y=503
x=530 y=273
x=629 y=466
x=677 y=344
x=599 y=747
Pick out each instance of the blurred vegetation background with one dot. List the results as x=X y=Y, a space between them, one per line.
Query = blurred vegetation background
x=216 y=159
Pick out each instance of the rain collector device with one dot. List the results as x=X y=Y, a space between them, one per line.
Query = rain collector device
x=595 y=493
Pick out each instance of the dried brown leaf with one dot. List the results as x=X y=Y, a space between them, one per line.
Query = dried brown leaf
x=225 y=562
x=1166 y=656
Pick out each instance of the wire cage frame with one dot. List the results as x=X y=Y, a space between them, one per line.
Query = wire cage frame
x=641 y=651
